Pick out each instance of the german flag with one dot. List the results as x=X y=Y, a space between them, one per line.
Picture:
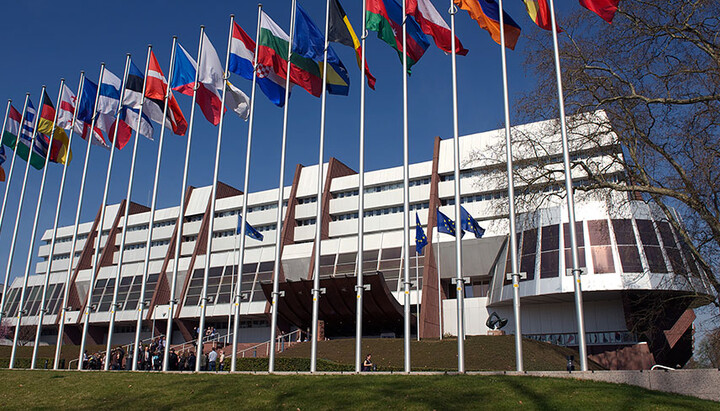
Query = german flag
x=340 y=31
x=60 y=152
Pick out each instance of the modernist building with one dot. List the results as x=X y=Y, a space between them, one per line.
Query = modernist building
x=633 y=259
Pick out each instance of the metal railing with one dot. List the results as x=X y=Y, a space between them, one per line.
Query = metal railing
x=662 y=367
x=281 y=340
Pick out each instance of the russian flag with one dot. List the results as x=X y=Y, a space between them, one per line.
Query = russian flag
x=208 y=98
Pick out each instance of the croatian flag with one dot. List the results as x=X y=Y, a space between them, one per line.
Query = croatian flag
x=208 y=96
x=242 y=54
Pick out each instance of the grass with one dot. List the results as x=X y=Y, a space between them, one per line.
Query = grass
x=20 y=389
x=482 y=353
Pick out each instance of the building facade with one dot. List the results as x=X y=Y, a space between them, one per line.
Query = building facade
x=633 y=260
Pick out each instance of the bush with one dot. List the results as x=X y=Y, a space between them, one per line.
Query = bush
x=286 y=364
x=25 y=363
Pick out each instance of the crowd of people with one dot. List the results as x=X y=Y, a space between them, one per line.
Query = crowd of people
x=150 y=358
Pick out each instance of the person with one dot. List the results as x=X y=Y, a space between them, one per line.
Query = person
x=85 y=360
x=148 y=359
x=120 y=354
x=212 y=359
x=140 y=358
x=221 y=359
x=367 y=364
x=191 y=361
x=172 y=360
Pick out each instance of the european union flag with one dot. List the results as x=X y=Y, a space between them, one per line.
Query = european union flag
x=446 y=225
x=249 y=230
x=420 y=237
x=468 y=223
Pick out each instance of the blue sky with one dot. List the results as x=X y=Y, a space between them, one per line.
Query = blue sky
x=48 y=40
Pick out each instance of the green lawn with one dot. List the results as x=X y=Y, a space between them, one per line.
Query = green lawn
x=124 y=390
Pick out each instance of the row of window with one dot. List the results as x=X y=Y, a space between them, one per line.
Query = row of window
x=307 y=221
x=307 y=200
x=68 y=239
x=381 y=188
x=381 y=211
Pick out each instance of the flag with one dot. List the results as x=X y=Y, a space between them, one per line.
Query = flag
x=3 y=157
x=446 y=225
x=208 y=97
x=604 y=8
x=131 y=104
x=385 y=17
x=340 y=31
x=86 y=108
x=237 y=101
x=433 y=25
x=250 y=231
x=539 y=12
x=60 y=152
x=469 y=224
x=242 y=55
x=420 y=237
x=309 y=42
x=304 y=70
x=108 y=107
x=12 y=128
x=487 y=15
x=66 y=108
x=24 y=134
x=155 y=100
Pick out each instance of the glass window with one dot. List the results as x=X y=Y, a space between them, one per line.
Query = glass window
x=602 y=259
x=599 y=232
x=630 y=259
x=550 y=238
x=624 y=233
x=647 y=232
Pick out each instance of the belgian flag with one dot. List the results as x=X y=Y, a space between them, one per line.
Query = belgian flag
x=60 y=151
x=340 y=31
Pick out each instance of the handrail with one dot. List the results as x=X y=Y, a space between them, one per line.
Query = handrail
x=70 y=363
x=278 y=339
x=662 y=367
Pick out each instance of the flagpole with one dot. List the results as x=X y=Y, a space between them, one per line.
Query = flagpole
x=360 y=287
x=216 y=171
x=459 y=280
x=4 y=203
x=232 y=282
x=96 y=254
x=17 y=225
x=281 y=189
x=66 y=291
x=246 y=183
x=114 y=306
x=417 y=293
x=439 y=292
x=128 y=198
x=178 y=223
x=576 y=269
x=318 y=216
x=406 y=200
x=511 y=200
x=41 y=312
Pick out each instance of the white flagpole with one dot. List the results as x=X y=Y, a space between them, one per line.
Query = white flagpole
x=360 y=287
x=66 y=292
x=114 y=306
x=17 y=224
x=57 y=214
x=41 y=311
x=77 y=222
x=243 y=212
x=439 y=292
x=318 y=208
x=178 y=223
x=459 y=286
x=417 y=294
x=406 y=200
x=213 y=196
x=4 y=203
x=128 y=199
x=232 y=283
x=181 y=212
x=511 y=200
x=281 y=190
x=576 y=269
x=95 y=269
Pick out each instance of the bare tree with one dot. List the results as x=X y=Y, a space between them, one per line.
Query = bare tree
x=655 y=74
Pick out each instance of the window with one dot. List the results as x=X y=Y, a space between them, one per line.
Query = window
x=549 y=257
x=600 y=247
x=651 y=246
x=627 y=246
x=579 y=232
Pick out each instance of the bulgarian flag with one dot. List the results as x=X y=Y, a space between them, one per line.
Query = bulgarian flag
x=385 y=17
x=304 y=69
